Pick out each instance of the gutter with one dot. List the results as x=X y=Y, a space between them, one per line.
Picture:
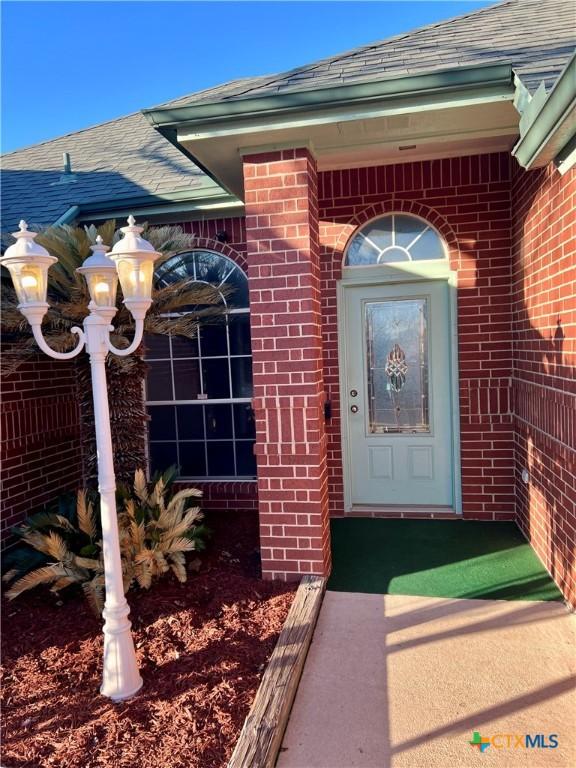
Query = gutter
x=463 y=78
x=67 y=217
x=548 y=124
x=180 y=201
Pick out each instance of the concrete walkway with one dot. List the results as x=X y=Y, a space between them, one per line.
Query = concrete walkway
x=398 y=681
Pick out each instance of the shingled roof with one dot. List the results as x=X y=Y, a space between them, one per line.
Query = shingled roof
x=117 y=159
x=128 y=158
x=536 y=36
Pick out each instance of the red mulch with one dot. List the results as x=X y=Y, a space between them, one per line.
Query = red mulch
x=202 y=647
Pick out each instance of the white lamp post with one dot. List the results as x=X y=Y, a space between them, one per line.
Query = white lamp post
x=131 y=261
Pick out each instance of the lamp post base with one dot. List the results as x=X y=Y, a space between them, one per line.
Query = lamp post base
x=120 y=678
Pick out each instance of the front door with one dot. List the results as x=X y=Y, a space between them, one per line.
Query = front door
x=398 y=394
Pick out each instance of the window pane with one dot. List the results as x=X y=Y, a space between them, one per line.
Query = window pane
x=429 y=246
x=406 y=229
x=239 y=330
x=190 y=422
x=213 y=340
x=216 y=378
x=183 y=347
x=159 y=381
x=245 y=459
x=156 y=346
x=238 y=296
x=380 y=233
x=212 y=267
x=244 y=425
x=361 y=252
x=162 y=456
x=180 y=267
x=218 y=421
x=162 y=425
x=394 y=255
x=192 y=460
x=186 y=379
x=220 y=458
x=241 y=377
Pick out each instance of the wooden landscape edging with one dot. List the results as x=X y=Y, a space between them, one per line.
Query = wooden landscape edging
x=261 y=736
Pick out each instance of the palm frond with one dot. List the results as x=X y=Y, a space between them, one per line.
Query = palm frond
x=141 y=486
x=33 y=579
x=85 y=513
x=180 y=496
x=182 y=545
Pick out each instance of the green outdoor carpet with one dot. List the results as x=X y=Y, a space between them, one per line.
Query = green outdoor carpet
x=436 y=558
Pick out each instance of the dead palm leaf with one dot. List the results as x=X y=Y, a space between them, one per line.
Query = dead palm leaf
x=85 y=514
x=33 y=579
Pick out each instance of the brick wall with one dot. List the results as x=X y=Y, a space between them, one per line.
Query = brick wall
x=40 y=439
x=285 y=307
x=544 y=381
x=227 y=495
x=208 y=230
x=468 y=200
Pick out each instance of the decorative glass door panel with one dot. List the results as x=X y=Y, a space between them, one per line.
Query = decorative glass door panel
x=398 y=402
x=397 y=355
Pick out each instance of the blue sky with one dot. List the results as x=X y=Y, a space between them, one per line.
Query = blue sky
x=69 y=65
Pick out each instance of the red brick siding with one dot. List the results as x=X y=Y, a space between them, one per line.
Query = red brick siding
x=544 y=381
x=40 y=441
x=468 y=200
x=207 y=231
x=285 y=307
x=227 y=495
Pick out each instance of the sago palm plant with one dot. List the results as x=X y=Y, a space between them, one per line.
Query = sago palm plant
x=157 y=527
x=155 y=533
x=55 y=537
x=68 y=299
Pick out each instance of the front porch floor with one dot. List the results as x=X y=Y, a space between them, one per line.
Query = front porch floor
x=437 y=558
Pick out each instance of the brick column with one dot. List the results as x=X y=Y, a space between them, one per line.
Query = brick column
x=285 y=317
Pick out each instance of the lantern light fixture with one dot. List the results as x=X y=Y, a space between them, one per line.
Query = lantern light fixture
x=101 y=276
x=28 y=263
x=134 y=258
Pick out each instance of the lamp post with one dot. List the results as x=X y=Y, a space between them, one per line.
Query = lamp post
x=132 y=262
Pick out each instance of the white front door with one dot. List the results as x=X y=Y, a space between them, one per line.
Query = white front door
x=397 y=396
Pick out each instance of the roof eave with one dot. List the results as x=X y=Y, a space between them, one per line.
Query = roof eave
x=484 y=75
x=179 y=201
x=549 y=122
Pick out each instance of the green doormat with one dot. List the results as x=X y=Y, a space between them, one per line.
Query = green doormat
x=437 y=558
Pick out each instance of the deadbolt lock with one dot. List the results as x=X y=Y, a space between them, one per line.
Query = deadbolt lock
x=353 y=393
x=354 y=408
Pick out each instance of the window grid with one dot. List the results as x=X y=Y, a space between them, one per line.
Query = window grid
x=170 y=357
x=198 y=264
x=390 y=223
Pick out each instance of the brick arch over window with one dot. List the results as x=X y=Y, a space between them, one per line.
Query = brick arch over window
x=430 y=215
x=210 y=244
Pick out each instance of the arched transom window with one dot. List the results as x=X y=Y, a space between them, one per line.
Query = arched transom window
x=393 y=238
x=199 y=391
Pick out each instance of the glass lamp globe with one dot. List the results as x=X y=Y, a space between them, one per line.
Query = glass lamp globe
x=101 y=276
x=134 y=258
x=28 y=262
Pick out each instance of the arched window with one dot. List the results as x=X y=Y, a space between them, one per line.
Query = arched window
x=394 y=238
x=199 y=391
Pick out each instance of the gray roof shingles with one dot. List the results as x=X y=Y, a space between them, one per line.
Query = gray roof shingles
x=127 y=157
x=536 y=36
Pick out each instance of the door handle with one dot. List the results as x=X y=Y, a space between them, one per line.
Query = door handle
x=354 y=408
